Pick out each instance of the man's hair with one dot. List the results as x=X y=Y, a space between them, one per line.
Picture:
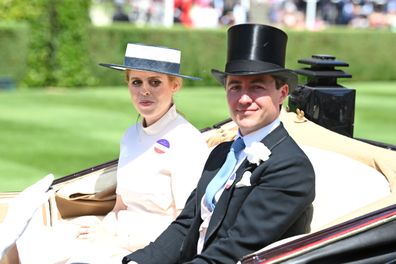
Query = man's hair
x=279 y=82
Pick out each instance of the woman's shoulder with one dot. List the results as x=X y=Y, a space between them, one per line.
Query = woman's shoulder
x=131 y=130
x=184 y=125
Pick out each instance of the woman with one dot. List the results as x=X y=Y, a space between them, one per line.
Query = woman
x=161 y=157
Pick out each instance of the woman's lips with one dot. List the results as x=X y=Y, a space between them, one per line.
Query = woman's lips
x=145 y=103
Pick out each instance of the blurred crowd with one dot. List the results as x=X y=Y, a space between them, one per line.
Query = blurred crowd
x=287 y=13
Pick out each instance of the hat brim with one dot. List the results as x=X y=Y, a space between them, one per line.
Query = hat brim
x=289 y=76
x=120 y=67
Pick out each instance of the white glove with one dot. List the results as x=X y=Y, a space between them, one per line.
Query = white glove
x=21 y=210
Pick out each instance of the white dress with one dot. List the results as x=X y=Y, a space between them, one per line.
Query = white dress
x=158 y=168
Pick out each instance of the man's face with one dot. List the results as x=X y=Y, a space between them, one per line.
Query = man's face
x=254 y=101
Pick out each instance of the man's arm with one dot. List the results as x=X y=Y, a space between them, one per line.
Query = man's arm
x=166 y=248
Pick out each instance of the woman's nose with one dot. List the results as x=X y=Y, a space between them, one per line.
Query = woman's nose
x=145 y=90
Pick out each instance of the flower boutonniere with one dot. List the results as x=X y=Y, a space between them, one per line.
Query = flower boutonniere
x=257 y=152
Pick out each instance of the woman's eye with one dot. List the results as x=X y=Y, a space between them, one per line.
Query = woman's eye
x=155 y=83
x=136 y=82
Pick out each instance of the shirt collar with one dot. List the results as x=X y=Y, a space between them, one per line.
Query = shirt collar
x=259 y=134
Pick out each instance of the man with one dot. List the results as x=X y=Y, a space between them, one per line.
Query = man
x=268 y=194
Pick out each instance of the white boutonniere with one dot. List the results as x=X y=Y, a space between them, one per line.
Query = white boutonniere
x=257 y=152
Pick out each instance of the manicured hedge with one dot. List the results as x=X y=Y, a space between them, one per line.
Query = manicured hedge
x=71 y=55
x=13 y=50
x=370 y=53
x=57 y=53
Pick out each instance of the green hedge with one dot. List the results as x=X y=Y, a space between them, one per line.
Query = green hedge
x=13 y=50
x=71 y=54
x=57 y=53
x=370 y=53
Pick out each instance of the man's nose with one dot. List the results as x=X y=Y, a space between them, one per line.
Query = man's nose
x=245 y=98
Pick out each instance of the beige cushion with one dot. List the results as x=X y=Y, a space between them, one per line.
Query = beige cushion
x=342 y=185
x=311 y=134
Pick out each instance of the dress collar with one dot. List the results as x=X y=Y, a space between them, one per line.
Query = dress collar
x=161 y=124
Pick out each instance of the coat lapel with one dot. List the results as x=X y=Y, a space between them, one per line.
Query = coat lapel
x=271 y=140
x=222 y=204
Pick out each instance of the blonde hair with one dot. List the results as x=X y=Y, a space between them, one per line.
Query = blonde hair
x=175 y=79
x=171 y=78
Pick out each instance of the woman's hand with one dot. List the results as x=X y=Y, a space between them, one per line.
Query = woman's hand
x=86 y=232
x=102 y=233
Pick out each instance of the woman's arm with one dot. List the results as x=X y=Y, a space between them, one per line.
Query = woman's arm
x=108 y=226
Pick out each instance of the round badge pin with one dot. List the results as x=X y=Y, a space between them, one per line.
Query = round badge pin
x=161 y=146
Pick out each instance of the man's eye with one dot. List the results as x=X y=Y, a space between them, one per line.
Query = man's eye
x=233 y=88
x=258 y=87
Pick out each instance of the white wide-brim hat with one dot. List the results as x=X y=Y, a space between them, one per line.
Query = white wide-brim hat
x=151 y=58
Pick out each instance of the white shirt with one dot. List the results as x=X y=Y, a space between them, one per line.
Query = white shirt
x=206 y=215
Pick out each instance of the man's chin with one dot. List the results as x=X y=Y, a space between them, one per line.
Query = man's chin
x=245 y=124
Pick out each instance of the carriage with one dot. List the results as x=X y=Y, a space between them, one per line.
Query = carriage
x=354 y=217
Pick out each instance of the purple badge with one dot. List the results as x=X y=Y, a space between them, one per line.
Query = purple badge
x=161 y=146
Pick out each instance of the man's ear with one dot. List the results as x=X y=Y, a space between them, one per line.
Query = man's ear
x=284 y=92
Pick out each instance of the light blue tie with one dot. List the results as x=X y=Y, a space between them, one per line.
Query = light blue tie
x=223 y=174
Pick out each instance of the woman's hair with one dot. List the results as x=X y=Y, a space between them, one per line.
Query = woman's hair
x=176 y=79
x=171 y=78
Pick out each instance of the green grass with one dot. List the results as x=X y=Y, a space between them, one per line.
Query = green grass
x=375 y=114
x=63 y=131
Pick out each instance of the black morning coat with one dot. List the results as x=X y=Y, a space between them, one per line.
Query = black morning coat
x=278 y=204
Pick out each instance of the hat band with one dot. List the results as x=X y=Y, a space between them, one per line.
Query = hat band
x=237 y=66
x=152 y=65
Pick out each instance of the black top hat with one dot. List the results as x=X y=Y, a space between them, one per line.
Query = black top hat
x=256 y=49
x=151 y=58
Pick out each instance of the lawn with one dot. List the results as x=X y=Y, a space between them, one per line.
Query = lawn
x=62 y=131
